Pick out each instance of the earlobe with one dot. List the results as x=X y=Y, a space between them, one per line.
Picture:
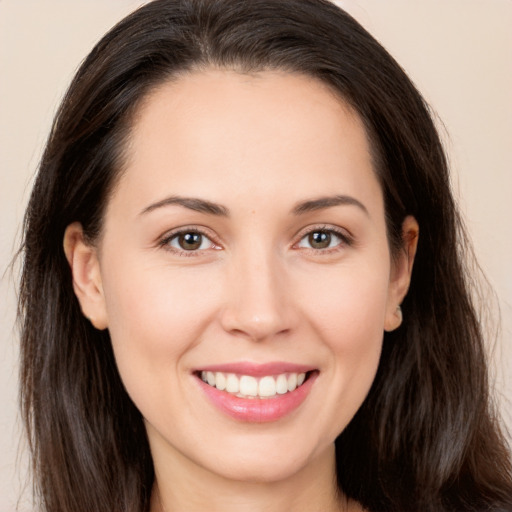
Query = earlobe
x=401 y=273
x=85 y=269
x=394 y=319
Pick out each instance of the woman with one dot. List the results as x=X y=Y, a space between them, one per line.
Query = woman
x=243 y=285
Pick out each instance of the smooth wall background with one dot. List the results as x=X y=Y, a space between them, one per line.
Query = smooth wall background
x=458 y=52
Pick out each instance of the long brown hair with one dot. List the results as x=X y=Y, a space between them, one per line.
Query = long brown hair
x=426 y=438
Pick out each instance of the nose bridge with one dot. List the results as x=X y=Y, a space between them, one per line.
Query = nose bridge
x=257 y=302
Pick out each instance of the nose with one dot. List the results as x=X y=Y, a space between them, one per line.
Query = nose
x=258 y=304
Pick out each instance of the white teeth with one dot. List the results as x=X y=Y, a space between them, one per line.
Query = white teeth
x=267 y=386
x=292 y=381
x=232 y=383
x=249 y=386
x=282 y=384
x=220 y=381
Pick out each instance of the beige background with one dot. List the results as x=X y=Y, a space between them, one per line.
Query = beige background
x=459 y=53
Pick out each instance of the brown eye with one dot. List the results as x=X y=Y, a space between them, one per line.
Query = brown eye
x=319 y=239
x=190 y=241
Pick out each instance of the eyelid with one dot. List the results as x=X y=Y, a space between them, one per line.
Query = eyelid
x=164 y=240
x=346 y=237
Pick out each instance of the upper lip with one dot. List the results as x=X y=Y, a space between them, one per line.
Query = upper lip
x=257 y=369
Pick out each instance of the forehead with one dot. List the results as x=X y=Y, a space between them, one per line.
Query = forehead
x=219 y=133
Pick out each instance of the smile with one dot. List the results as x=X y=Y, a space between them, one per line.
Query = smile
x=256 y=393
x=247 y=386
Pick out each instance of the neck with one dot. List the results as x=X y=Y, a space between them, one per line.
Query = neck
x=180 y=485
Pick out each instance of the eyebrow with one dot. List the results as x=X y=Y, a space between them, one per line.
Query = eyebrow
x=208 y=207
x=192 y=203
x=328 y=202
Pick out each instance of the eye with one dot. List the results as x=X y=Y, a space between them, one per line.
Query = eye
x=189 y=241
x=322 y=239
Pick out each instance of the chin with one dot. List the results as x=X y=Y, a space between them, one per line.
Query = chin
x=268 y=462
x=260 y=471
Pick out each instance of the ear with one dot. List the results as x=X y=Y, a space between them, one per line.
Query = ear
x=85 y=269
x=401 y=271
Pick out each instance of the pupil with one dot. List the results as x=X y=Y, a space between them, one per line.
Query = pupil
x=190 y=241
x=320 y=239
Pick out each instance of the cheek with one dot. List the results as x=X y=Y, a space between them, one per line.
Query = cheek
x=348 y=305
x=155 y=316
x=349 y=318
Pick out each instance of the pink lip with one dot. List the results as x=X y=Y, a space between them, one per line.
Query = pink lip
x=258 y=410
x=257 y=370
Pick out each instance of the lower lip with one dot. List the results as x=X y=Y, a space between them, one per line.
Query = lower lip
x=259 y=410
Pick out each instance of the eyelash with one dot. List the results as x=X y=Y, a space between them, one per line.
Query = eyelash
x=165 y=242
x=345 y=240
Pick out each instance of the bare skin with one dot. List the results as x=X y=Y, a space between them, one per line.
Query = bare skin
x=316 y=493
x=272 y=175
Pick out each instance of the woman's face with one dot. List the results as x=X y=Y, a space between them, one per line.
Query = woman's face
x=245 y=245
